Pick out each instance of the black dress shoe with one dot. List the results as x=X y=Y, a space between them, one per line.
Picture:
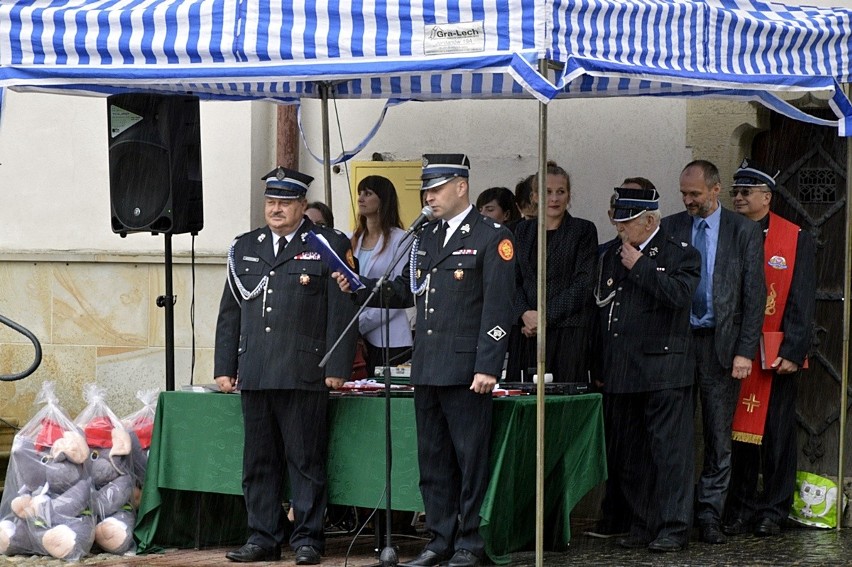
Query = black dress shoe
x=737 y=527
x=665 y=544
x=712 y=533
x=307 y=555
x=766 y=528
x=249 y=553
x=463 y=558
x=427 y=558
x=632 y=542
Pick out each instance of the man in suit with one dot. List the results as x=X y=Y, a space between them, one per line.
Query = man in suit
x=644 y=293
x=726 y=317
x=279 y=313
x=461 y=272
x=765 y=433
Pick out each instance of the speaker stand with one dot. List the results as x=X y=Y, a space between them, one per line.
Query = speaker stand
x=167 y=302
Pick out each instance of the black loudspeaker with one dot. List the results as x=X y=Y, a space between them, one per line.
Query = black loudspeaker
x=155 y=163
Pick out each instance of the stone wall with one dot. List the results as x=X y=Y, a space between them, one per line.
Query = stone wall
x=97 y=321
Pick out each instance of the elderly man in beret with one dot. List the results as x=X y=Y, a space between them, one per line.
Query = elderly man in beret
x=644 y=293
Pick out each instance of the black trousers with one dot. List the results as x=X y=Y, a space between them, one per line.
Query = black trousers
x=615 y=513
x=776 y=458
x=453 y=438
x=719 y=394
x=285 y=428
x=653 y=451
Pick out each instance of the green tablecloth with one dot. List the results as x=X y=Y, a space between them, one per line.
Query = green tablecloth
x=198 y=442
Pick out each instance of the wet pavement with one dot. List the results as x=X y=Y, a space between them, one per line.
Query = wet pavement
x=795 y=546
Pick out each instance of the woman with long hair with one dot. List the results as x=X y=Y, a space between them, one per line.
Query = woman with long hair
x=571 y=258
x=375 y=242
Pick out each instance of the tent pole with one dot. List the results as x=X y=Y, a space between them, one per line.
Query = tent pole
x=847 y=284
x=541 y=306
x=326 y=145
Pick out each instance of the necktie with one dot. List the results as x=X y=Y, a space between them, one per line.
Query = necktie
x=282 y=243
x=699 y=300
x=442 y=235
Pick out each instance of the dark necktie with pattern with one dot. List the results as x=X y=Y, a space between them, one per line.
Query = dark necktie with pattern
x=699 y=300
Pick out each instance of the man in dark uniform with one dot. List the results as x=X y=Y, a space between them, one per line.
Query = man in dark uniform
x=727 y=313
x=462 y=272
x=279 y=313
x=644 y=293
x=769 y=445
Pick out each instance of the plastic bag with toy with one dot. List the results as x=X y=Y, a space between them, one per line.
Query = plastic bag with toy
x=113 y=450
x=47 y=501
x=141 y=422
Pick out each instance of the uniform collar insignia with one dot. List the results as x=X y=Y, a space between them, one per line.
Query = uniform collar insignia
x=262 y=237
x=653 y=252
x=465 y=228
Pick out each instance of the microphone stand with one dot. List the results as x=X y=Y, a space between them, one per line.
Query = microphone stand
x=388 y=556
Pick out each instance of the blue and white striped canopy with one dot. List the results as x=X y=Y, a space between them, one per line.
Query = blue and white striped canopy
x=429 y=50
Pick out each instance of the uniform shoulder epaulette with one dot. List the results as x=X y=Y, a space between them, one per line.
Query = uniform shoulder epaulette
x=247 y=233
x=490 y=222
x=676 y=241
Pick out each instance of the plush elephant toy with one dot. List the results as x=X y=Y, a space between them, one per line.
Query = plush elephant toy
x=111 y=470
x=49 y=513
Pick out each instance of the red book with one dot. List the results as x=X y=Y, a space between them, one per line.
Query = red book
x=770 y=344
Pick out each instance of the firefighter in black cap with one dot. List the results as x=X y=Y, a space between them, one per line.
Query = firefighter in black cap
x=279 y=313
x=462 y=274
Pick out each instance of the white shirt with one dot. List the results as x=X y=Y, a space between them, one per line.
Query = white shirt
x=276 y=240
x=453 y=223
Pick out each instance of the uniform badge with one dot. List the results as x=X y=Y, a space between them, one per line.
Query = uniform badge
x=261 y=238
x=304 y=279
x=350 y=259
x=465 y=228
x=778 y=262
x=497 y=225
x=505 y=249
x=609 y=282
x=304 y=236
x=308 y=256
x=683 y=244
x=459 y=274
x=497 y=333
x=251 y=259
x=653 y=252
x=418 y=273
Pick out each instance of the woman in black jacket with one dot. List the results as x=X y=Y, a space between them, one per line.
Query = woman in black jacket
x=571 y=259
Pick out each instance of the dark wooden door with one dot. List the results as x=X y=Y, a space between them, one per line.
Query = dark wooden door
x=812 y=193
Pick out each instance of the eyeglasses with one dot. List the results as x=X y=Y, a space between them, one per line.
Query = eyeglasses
x=746 y=191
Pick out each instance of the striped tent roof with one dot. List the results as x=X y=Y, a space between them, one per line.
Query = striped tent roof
x=429 y=50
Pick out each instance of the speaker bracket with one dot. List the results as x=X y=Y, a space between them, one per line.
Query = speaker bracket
x=163 y=300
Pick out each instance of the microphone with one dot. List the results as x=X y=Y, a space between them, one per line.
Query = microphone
x=425 y=216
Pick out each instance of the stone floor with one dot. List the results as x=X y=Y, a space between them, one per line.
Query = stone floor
x=796 y=546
